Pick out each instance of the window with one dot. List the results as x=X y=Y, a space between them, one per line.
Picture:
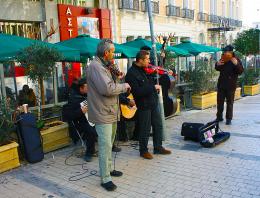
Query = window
x=65 y=2
x=233 y=10
x=202 y=38
x=62 y=75
x=171 y=2
x=215 y=10
x=237 y=8
x=28 y=30
x=87 y=3
x=186 y=4
x=223 y=9
x=230 y=9
x=201 y=6
x=212 y=7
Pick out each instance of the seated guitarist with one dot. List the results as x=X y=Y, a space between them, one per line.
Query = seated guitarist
x=74 y=114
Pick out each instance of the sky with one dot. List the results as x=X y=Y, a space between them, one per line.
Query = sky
x=251 y=11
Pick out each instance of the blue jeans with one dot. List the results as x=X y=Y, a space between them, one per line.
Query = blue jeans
x=106 y=136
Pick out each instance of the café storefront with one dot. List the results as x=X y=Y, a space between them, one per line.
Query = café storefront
x=73 y=21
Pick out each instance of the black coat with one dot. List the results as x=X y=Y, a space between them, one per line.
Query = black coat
x=73 y=114
x=228 y=75
x=142 y=88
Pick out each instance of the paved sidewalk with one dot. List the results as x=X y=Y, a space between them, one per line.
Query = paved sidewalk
x=231 y=169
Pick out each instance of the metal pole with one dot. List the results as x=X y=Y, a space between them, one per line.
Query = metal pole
x=14 y=78
x=149 y=8
x=2 y=79
x=178 y=71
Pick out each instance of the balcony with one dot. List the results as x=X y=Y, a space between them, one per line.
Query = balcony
x=213 y=18
x=203 y=16
x=155 y=7
x=232 y=22
x=173 y=11
x=238 y=23
x=187 y=13
x=129 y=4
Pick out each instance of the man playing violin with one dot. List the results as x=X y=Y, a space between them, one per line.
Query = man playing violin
x=229 y=67
x=103 y=107
x=144 y=90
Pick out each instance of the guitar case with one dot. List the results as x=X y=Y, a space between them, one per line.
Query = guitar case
x=190 y=131
x=169 y=103
x=30 y=138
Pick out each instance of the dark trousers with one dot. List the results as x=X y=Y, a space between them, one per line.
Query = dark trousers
x=229 y=96
x=89 y=134
x=146 y=119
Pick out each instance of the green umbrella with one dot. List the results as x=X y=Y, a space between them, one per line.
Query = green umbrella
x=11 y=45
x=195 y=48
x=140 y=43
x=88 y=47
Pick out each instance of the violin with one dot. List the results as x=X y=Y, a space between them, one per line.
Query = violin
x=114 y=69
x=151 y=69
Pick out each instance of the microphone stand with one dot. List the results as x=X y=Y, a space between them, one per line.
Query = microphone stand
x=149 y=6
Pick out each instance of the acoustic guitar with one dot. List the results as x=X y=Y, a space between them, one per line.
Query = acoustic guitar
x=127 y=111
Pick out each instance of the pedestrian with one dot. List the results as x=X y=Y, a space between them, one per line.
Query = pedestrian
x=27 y=96
x=229 y=66
x=103 y=104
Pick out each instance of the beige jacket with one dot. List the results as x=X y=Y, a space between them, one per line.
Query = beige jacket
x=103 y=94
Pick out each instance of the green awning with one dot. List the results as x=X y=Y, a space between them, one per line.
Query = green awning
x=140 y=43
x=195 y=48
x=11 y=45
x=88 y=47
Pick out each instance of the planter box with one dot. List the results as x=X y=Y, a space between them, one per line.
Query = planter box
x=9 y=158
x=204 y=101
x=55 y=137
x=237 y=93
x=251 y=90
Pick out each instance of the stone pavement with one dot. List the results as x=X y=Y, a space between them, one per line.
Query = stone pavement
x=231 y=169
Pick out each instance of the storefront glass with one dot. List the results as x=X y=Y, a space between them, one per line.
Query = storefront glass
x=62 y=73
x=16 y=80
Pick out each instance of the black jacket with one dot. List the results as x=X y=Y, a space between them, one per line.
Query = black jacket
x=72 y=112
x=142 y=88
x=228 y=75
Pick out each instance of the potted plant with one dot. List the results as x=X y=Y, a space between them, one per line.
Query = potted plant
x=9 y=158
x=250 y=81
x=204 y=80
x=247 y=42
x=39 y=61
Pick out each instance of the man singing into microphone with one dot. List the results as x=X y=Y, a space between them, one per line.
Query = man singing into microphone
x=229 y=67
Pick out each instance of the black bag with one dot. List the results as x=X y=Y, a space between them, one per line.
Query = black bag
x=30 y=138
x=190 y=131
x=209 y=135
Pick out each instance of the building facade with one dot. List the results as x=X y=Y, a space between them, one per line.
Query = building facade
x=211 y=22
x=202 y=21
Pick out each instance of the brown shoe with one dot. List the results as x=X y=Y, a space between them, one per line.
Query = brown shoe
x=162 y=151
x=147 y=155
